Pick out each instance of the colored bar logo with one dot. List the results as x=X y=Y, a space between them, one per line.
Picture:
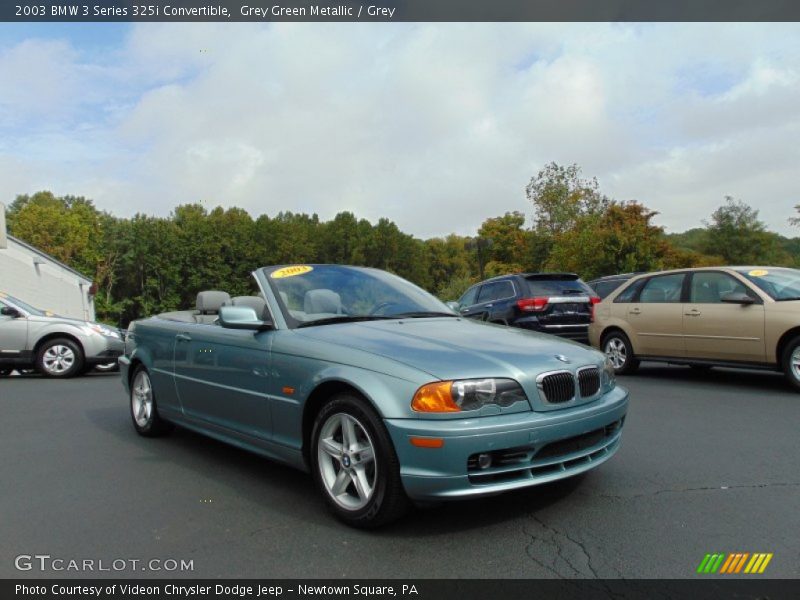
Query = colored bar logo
x=734 y=563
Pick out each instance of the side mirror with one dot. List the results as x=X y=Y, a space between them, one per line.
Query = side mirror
x=738 y=298
x=242 y=317
x=454 y=305
x=8 y=311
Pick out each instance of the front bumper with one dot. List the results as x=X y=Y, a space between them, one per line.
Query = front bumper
x=531 y=448
x=101 y=349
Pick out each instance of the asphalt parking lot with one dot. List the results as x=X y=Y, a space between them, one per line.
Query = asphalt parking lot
x=709 y=463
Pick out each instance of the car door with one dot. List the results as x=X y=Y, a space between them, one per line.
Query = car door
x=718 y=330
x=13 y=333
x=656 y=317
x=221 y=377
x=489 y=295
x=469 y=302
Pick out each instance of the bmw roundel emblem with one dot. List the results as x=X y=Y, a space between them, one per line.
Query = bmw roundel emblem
x=562 y=358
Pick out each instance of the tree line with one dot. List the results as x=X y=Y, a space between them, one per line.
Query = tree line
x=144 y=264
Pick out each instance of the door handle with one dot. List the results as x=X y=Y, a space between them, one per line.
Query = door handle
x=693 y=313
x=635 y=311
x=183 y=337
x=489 y=305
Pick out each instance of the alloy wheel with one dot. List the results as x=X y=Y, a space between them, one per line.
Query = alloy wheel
x=142 y=399
x=616 y=352
x=58 y=359
x=346 y=458
x=794 y=363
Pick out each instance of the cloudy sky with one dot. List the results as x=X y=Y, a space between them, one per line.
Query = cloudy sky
x=436 y=126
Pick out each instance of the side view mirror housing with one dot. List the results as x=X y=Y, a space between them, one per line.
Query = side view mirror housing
x=9 y=311
x=242 y=317
x=738 y=298
x=455 y=306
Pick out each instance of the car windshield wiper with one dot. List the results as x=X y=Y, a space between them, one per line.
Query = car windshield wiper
x=421 y=314
x=343 y=319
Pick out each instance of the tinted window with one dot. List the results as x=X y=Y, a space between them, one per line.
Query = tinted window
x=558 y=287
x=468 y=298
x=496 y=290
x=628 y=293
x=604 y=288
x=663 y=289
x=710 y=287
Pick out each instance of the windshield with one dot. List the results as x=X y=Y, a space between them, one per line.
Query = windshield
x=317 y=294
x=23 y=305
x=780 y=284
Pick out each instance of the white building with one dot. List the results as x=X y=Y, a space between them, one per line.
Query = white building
x=40 y=280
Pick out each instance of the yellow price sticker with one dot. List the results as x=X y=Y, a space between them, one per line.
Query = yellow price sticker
x=758 y=273
x=291 y=271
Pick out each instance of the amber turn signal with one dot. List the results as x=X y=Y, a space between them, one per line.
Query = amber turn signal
x=423 y=442
x=435 y=397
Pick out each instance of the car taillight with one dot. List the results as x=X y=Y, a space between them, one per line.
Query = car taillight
x=594 y=301
x=532 y=304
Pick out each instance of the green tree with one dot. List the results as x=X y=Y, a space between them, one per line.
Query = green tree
x=560 y=197
x=735 y=233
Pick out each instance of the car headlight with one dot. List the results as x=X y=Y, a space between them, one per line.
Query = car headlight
x=92 y=328
x=466 y=394
x=609 y=378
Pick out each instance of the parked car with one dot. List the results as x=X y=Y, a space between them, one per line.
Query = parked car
x=376 y=387
x=555 y=303
x=55 y=346
x=603 y=286
x=726 y=316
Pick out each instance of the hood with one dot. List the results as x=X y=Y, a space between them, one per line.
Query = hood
x=449 y=348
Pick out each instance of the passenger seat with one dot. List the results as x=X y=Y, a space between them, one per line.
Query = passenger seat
x=208 y=305
x=254 y=302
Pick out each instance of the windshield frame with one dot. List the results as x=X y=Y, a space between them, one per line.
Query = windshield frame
x=436 y=305
x=24 y=306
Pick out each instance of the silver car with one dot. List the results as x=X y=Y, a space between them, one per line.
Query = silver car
x=55 y=346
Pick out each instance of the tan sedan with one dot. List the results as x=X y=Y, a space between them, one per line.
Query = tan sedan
x=727 y=316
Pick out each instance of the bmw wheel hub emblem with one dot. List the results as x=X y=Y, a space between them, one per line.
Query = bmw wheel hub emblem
x=346 y=461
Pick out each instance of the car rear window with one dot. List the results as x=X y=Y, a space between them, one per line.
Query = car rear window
x=557 y=287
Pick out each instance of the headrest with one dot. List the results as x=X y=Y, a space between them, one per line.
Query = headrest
x=322 y=301
x=254 y=302
x=210 y=301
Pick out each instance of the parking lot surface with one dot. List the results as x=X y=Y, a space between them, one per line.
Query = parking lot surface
x=709 y=463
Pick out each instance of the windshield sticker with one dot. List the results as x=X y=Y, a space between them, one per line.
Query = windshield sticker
x=758 y=273
x=291 y=271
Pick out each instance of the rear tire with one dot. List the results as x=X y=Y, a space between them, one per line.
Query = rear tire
x=617 y=347
x=355 y=465
x=60 y=358
x=790 y=362
x=144 y=411
x=5 y=372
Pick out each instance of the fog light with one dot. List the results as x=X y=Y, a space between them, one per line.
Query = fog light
x=484 y=460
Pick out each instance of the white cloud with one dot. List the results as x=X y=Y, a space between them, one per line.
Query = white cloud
x=436 y=126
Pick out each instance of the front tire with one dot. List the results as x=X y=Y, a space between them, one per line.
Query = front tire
x=354 y=464
x=617 y=347
x=790 y=361
x=60 y=357
x=5 y=372
x=144 y=411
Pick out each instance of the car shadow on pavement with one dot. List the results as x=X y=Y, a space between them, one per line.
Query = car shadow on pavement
x=764 y=381
x=292 y=492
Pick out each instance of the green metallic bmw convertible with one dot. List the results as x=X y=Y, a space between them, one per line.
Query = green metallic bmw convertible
x=376 y=387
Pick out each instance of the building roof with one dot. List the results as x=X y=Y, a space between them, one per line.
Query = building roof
x=49 y=258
